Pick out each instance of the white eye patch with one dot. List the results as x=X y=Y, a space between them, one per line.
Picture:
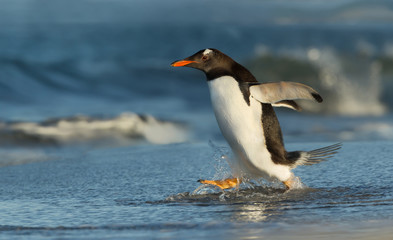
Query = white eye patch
x=207 y=51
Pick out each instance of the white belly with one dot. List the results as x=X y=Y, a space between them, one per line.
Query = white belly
x=241 y=126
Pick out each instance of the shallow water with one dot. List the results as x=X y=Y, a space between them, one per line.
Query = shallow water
x=145 y=192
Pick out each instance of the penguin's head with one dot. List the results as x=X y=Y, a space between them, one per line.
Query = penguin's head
x=204 y=60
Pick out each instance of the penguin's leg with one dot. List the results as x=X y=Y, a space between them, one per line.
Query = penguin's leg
x=290 y=183
x=223 y=184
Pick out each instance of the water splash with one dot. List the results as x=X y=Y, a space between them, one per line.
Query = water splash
x=298 y=184
x=204 y=189
x=225 y=167
x=257 y=194
x=222 y=163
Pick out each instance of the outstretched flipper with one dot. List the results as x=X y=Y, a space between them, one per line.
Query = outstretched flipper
x=277 y=92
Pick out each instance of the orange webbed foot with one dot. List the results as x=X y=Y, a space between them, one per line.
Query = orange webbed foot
x=223 y=184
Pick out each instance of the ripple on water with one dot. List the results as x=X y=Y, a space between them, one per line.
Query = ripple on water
x=304 y=204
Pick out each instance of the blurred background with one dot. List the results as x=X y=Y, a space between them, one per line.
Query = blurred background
x=97 y=73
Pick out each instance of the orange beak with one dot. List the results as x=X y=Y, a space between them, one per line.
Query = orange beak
x=181 y=63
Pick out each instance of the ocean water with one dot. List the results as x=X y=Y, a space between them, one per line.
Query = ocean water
x=147 y=192
x=101 y=139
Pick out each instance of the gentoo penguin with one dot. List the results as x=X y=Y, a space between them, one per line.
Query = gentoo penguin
x=244 y=111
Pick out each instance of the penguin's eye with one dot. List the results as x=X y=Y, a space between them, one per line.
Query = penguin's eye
x=204 y=58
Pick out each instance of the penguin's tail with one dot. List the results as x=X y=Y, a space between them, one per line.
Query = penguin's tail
x=312 y=157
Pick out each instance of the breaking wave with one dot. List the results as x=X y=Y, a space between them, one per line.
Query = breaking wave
x=125 y=129
x=355 y=84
